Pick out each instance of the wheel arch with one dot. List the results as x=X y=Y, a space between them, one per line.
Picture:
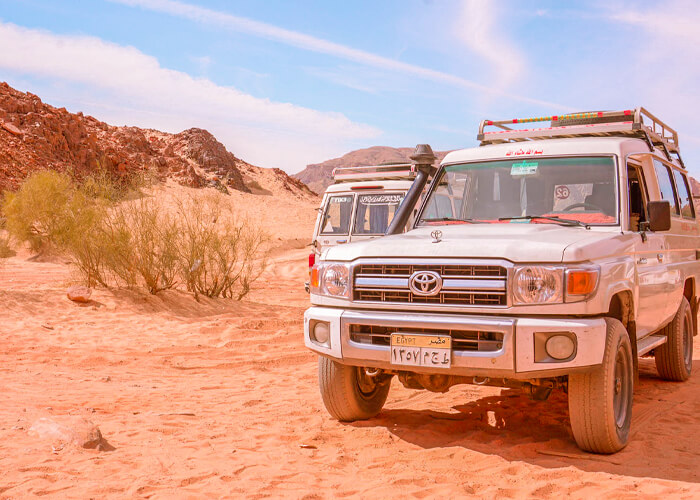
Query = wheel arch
x=622 y=308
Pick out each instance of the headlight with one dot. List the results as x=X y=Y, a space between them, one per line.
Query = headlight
x=538 y=285
x=331 y=279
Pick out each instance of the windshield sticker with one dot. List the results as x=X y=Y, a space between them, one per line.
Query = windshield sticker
x=380 y=199
x=562 y=192
x=524 y=168
x=341 y=199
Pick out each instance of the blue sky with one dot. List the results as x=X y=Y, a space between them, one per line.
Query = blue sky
x=283 y=84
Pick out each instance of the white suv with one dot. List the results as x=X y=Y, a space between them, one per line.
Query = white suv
x=547 y=259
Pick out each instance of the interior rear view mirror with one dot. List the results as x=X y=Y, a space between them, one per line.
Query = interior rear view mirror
x=659 y=215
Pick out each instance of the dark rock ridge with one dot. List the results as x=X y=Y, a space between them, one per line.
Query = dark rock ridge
x=318 y=176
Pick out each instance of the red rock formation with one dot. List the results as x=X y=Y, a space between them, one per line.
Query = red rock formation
x=35 y=136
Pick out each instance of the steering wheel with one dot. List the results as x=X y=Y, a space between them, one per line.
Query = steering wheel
x=590 y=206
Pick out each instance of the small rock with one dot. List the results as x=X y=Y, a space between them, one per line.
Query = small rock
x=11 y=128
x=68 y=430
x=79 y=294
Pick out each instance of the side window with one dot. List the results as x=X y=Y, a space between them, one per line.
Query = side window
x=637 y=197
x=687 y=209
x=663 y=174
x=336 y=219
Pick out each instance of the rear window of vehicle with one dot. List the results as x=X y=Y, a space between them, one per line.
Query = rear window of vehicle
x=336 y=217
x=663 y=174
x=687 y=209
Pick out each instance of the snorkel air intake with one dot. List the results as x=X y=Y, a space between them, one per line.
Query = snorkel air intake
x=422 y=159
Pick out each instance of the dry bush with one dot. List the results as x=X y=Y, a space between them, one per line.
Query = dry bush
x=221 y=254
x=200 y=243
x=47 y=211
x=142 y=245
x=131 y=244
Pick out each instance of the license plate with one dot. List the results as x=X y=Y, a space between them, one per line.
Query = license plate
x=421 y=350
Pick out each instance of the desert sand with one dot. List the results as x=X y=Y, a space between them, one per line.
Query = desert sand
x=219 y=399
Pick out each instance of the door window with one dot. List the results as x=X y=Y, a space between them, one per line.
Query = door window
x=637 y=197
x=687 y=209
x=336 y=218
x=663 y=174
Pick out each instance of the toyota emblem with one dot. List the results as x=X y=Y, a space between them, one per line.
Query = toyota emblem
x=437 y=234
x=425 y=283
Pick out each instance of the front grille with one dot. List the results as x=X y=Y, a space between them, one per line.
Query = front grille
x=462 y=340
x=463 y=284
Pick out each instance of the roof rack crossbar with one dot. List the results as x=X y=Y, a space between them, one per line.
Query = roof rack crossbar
x=638 y=122
x=373 y=172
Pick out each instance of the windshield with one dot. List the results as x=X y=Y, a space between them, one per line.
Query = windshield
x=336 y=217
x=375 y=212
x=573 y=189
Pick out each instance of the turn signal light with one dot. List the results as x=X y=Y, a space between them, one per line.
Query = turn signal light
x=315 y=277
x=581 y=282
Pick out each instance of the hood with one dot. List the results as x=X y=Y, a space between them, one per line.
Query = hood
x=515 y=242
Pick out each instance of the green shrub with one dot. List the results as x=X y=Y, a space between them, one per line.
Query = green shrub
x=47 y=211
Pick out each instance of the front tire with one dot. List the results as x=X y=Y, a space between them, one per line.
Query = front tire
x=349 y=393
x=600 y=401
x=674 y=359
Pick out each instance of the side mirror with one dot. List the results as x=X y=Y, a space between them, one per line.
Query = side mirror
x=659 y=215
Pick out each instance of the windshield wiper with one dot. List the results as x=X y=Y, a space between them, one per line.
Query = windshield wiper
x=452 y=219
x=563 y=222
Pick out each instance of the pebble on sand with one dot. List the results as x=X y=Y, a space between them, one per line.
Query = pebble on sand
x=79 y=294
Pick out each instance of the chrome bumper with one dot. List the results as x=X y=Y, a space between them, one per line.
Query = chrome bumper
x=515 y=358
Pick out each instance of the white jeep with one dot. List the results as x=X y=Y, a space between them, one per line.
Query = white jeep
x=359 y=205
x=547 y=259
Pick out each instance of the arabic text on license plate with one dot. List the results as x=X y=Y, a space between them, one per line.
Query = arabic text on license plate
x=421 y=350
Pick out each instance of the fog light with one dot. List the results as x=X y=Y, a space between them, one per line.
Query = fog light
x=321 y=333
x=560 y=346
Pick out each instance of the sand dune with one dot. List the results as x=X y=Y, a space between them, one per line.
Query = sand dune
x=220 y=399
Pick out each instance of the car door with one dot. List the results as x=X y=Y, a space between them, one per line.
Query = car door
x=648 y=253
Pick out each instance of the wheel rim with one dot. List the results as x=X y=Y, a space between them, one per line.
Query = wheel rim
x=687 y=344
x=622 y=387
x=367 y=386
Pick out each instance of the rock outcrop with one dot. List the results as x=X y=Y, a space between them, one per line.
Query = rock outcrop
x=35 y=135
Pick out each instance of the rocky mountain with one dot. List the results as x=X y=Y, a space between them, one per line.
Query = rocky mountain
x=318 y=176
x=35 y=135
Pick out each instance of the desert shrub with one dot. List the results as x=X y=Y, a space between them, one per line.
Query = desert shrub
x=200 y=242
x=47 y=211
x=130 y=244
x=142 y=245
x=221 y=254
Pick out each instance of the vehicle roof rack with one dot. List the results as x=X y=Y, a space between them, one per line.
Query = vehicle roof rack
x=373 y=172
x=637 y=122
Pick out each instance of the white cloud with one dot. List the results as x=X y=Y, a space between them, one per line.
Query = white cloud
x=311 y=43
x=664 y=57
x=259 y=130
x=478 y=26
